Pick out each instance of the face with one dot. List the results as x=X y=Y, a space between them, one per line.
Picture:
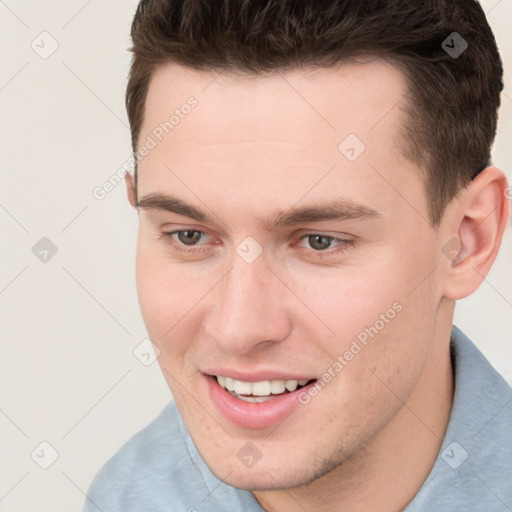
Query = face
x=284 y=242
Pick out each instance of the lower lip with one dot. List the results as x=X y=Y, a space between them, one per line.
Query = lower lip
x=254 y=414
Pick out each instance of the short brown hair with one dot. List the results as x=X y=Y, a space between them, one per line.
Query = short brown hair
x=452 y=103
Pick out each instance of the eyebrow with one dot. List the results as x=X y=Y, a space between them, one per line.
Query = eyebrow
x=332 y=210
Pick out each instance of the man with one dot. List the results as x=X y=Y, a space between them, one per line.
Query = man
x=315 y=192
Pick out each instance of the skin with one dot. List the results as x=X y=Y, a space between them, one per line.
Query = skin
x=253 y=148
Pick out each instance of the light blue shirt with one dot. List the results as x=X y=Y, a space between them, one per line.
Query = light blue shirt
x=160 y=470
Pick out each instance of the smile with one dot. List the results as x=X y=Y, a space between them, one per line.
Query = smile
x=259 y=391
x=256 y=404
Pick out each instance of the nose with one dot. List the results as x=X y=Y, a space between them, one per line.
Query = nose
x=249 y=309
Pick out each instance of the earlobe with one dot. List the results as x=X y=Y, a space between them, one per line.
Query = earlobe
x=131 y=191
x=482 y=218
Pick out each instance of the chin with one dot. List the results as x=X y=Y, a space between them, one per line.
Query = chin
x=263 y=481
x=267 y=477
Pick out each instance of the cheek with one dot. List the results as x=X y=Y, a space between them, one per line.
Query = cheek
x=162 y=293
x=348 y=300
x=152 y=289
x=171 y=298
x=395 y=351
x=381 y=317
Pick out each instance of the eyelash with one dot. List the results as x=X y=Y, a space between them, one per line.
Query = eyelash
x=344 y=244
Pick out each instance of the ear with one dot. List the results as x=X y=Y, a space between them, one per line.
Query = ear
x=480 y=221
x=131 y=190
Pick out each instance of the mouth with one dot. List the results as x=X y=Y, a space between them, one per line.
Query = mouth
x=261 y=391
x=257 y=404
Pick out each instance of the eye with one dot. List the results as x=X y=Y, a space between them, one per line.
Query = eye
x=195 y=241
x=188 y=236
x=319 y=244
x=185 y=240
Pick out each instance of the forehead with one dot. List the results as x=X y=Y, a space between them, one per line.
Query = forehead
x=351 y=96
x=288 y=129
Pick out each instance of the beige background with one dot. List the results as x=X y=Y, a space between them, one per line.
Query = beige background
x=68 y=375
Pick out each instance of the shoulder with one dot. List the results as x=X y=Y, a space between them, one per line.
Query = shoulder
x=474 y=468
x=151 y=470
x=159 y=469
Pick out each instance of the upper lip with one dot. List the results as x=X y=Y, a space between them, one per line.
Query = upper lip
x=256 y=375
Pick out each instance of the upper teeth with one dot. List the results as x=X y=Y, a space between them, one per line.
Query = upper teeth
x=263 y=388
